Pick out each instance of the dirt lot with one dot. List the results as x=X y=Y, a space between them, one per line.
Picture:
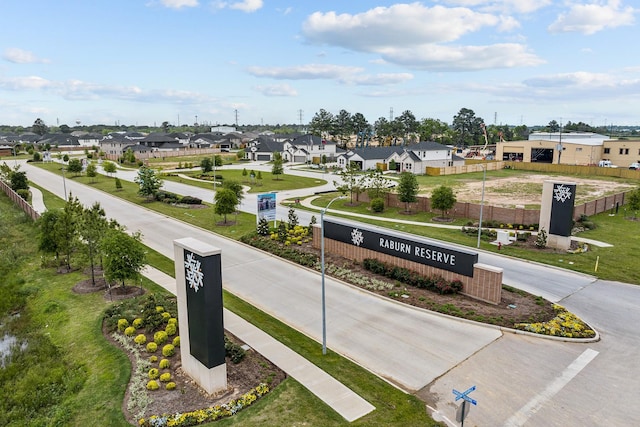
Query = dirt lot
x=526 y=190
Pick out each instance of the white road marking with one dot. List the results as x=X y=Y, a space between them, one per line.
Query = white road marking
x=528 y=410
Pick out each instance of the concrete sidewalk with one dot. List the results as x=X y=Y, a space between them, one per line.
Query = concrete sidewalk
x=332 y=392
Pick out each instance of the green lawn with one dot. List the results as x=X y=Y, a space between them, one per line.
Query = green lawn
x=268 y=183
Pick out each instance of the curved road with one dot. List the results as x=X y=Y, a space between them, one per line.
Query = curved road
x=520 y=380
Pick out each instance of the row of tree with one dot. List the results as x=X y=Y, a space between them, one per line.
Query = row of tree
x=76 y=234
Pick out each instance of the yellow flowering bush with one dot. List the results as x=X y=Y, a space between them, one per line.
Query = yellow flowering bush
x=137 y=323
x=565 y=324
x=153 y=373
x=171 y=329
x=129 y=331
x=205 y=415
x=166 y=377
x=140 y=339
x=176 y=341
x=122 y=324
x=160 y=337
x=164 y=364
x=170 y=386
x=152 y=347
x=153 y=385
x=168 y=350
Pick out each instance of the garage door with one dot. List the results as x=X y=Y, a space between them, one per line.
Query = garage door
x=265 y=157
x=299 y=159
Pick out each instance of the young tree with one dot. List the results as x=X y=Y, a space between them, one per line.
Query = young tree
x=124 y=256
x=75 y=166
x=407 y=189
x=92 y=171
x=206 y=164
x=118 y=184
x=633 y=201
x=39 y=127
x=18 y=180
x=293 y=219
x=93 y=227
x=67 y=229
x=109 y=167
x=277 y=169
x=149 y=183
x=244 y=174
x=47 y=241
x=259 y=178
x=263 y=227
x=377 y=185
x=352 y=180
x=217 y=160
x=225 y=202
x=236 y=187
x=443 y=199
x=282 y=232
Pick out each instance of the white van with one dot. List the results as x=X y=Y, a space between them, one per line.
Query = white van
x=605 y=164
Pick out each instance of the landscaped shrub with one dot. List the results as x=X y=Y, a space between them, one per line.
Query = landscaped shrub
x=166 y=377
x=173 y=321
x=190 y=200
x=153 y=385
x=153 y=359
x=160 y=337
x=122 y=325
x=153 y=373
x=233 y=351
x=129 y=331
x=171 y=329
x=377 y=204
x=165 y=316
x=140 y=339
x=164 y=364
x=168 y=350
x=152 y=347
x=408 y=277
x=137 y=323
x=272 y=246
x=170 y=386
x=159 y=308
x=176 y=342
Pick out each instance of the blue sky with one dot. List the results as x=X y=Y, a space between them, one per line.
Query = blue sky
x=279 y=62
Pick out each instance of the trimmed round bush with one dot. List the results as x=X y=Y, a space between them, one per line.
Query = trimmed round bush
x=170 y=386
x=173 y=321
x=152 y=347
x=140 y=339
x=153 y=359
x=164 y=363
x=153 y=385
x=160 y=337
x=166 y=316
x=176 y=341
x=168 y=350
x=166 y=377
x=377 y=204
x=159 y=309
x=153 y=373
x=137 y=323
x=171 y=329
x=129 y=331
x=122 y=324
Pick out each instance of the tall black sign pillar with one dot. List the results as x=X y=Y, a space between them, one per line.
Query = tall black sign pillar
x=199 y=289
x=556 y=212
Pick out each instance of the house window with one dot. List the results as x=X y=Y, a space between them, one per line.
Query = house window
x=624 y=151
x=607 y=150
x=579 y=149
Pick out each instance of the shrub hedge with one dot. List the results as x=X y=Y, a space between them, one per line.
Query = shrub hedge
x=434 y=282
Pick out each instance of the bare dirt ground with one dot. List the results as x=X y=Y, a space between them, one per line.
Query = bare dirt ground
x=526 y=190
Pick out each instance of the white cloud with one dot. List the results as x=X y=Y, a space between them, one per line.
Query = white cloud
x=591 y=18
x=244 y=5
x=463 y=58
x=26 y=83
x=305 y=72
x=179 y=4
x=247 y=5
x=342 y=74
x=505 y=6
x=417 y=36
x=397 y=25
x=277 y=90
x=19 y=56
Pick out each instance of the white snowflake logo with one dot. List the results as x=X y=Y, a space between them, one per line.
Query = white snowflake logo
x=562 y=193
x=194 y=272
x=356 y=237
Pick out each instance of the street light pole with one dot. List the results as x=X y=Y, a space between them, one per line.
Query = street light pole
x=484 y=176
x=324 y=312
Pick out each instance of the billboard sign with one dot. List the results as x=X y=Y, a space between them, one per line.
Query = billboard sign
x=266 y=207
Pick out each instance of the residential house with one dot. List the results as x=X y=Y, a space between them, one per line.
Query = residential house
x=263 y=148
x=309 y=149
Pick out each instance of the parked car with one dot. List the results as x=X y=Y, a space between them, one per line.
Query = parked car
x=634 y=166
x=605 y=164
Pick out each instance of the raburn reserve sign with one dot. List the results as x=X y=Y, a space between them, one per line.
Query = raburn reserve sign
x=403 y=246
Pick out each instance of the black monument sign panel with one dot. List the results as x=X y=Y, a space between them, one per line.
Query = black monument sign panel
x=204 y=308
x=403 y=246
x=561 y=220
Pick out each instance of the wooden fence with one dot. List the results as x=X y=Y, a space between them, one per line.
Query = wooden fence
x=22 y=203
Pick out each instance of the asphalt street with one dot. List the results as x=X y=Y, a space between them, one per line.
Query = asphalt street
x=520 y=380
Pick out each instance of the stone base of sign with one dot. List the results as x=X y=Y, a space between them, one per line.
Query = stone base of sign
x=485 y=285
x=212 y=380
x=558 y=242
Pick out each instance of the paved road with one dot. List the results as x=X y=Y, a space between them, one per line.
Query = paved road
x=520 y=380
